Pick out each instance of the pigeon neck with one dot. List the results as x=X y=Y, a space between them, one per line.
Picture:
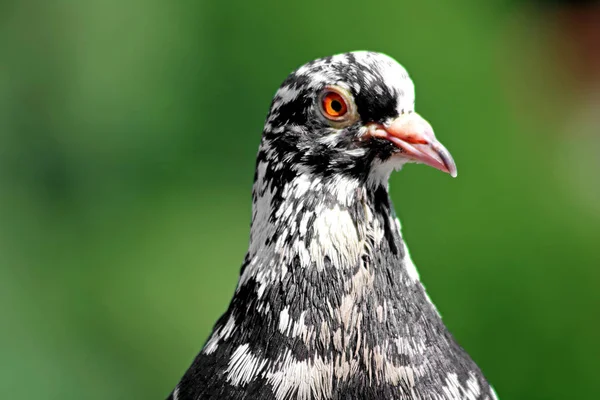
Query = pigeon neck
x=327 y=285
x=324 y=221
x=338 y=230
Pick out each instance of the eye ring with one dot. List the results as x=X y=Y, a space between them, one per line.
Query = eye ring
x=335 y=104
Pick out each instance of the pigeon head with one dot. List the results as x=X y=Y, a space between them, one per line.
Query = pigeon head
x=352 y=114
x=329 y=304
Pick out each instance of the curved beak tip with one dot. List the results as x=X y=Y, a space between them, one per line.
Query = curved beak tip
x=453 y=173
x=414 y=135
x=447 y=160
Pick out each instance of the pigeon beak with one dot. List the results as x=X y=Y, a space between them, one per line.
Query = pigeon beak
x=411 y=133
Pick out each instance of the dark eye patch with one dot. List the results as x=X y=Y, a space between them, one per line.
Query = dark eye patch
x=375 y=102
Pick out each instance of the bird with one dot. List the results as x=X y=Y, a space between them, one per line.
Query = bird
x=329 y=304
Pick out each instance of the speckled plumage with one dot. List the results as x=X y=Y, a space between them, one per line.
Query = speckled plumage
x=329 y=305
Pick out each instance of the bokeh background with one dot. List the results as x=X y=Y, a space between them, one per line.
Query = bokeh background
x=128 y=131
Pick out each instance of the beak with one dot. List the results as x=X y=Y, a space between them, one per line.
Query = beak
x=415 y=137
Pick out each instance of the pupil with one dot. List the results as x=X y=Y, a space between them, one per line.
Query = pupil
x=336 y=106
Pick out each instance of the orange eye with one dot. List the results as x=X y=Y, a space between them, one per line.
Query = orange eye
x=334 y=105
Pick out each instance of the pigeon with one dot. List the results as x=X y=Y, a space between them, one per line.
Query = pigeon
x=329 y=305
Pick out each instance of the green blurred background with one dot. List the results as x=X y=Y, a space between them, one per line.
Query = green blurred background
x=128 y=131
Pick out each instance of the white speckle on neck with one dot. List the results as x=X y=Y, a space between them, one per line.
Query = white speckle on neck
x=301 y=380
x=261 y=289
x=244 y=366
x=473 y=386
x=361 y=284
x=228 y=328
x=454 y=390
x=344 y=188
x=304 y=223
x=401 y=373
x=335 y=237
x=381 y=170
x=301 y=185
x=410 y=346
x=218 y=335
x=284 y=321
x=260 y=210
